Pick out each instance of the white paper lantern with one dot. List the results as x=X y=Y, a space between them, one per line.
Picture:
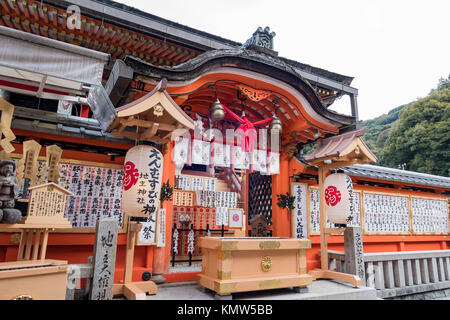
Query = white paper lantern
x=339 y=198
x=142 y=177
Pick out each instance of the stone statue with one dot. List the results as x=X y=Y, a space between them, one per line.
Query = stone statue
x=8 y=190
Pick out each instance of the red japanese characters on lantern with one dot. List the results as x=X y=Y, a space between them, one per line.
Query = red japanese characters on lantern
x=332 y=196
x=339 y=198
x=143 y=170
x=130 y=175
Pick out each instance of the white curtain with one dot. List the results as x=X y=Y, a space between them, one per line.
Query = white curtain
x=61 y=67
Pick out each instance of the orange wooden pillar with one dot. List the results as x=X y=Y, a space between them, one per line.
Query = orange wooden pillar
x=280 y=185
x=161 y=256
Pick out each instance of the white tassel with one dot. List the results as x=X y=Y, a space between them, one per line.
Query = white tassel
x=190 y=247
x=175 y=241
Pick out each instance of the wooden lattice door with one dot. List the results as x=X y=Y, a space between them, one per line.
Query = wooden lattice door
x=259 y=196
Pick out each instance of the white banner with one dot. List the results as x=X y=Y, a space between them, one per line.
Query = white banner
x=201 y=152
x=223 y=155
x=161 y=229
x=274 y=163
x=300 y=211
x=241 y=159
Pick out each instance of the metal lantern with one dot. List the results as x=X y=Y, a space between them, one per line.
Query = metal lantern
x=216 y=112
x=276 y=125
x=339 y=198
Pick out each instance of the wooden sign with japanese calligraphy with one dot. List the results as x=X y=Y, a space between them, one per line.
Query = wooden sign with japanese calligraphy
x=97 y=194
x=147 y=234
x=53 y=158
x=161 y=228
x=46 y=205
x=27 y=167
x=429 y=215
x=300 y=212
x=385 y=213
x=183 y=198
x=143 y=170
x=259 y=225
x=105 y=249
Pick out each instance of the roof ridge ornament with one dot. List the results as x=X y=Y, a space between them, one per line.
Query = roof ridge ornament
x=261 y=38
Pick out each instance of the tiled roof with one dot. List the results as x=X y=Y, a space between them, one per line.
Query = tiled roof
x=389 y=174
x=334 y=146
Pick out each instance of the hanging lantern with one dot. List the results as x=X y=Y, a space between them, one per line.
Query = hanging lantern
x=216 y=112
x=276 y=125
x=142 y=177
x=339 y=198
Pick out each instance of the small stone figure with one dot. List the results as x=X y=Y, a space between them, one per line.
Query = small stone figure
x=8 y=190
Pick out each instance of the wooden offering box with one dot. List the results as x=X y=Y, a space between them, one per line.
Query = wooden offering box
x=249 y=264
x=33 y=280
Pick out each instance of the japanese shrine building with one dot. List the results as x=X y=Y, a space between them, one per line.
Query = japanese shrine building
x=138 y=77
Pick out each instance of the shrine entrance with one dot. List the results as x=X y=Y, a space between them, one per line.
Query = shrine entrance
x=259 y=199
x=250 y=111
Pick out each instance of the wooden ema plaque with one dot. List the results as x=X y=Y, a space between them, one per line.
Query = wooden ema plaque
x=46 y=206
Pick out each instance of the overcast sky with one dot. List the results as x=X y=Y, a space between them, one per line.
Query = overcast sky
x=396 y=50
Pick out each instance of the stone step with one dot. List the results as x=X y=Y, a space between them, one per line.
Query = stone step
x=318 y=290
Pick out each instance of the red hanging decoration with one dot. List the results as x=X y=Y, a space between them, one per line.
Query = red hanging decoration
x=247 y=129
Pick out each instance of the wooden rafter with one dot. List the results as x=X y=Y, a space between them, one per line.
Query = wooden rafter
x=153 y=117
x=33 y=17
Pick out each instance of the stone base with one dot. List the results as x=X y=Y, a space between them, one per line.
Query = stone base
x=158 y=279
x=226 y=297
x=300 y=290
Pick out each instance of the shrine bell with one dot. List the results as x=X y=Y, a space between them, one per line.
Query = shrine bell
x=339 y=198
x=276 y=124
x=217 y=111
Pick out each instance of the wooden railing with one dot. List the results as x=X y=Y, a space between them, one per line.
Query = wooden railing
x=396 y=274
x=231 y=178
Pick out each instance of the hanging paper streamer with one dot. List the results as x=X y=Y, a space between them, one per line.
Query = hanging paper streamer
x=241 y=158
x=190 y=242
x=201 y=152
x=222 y=155
x=274 y=163
x=175 y=241
x=259 y=158
x=181 y=151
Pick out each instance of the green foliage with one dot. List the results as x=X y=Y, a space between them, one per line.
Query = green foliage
x=166 y=192
x=285 y=201
x=417 y=134
x=378 y=129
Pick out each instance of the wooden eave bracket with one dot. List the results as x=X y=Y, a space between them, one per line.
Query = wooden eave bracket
x=154 y=104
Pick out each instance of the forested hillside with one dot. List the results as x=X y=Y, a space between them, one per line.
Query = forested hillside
x=416 y=134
